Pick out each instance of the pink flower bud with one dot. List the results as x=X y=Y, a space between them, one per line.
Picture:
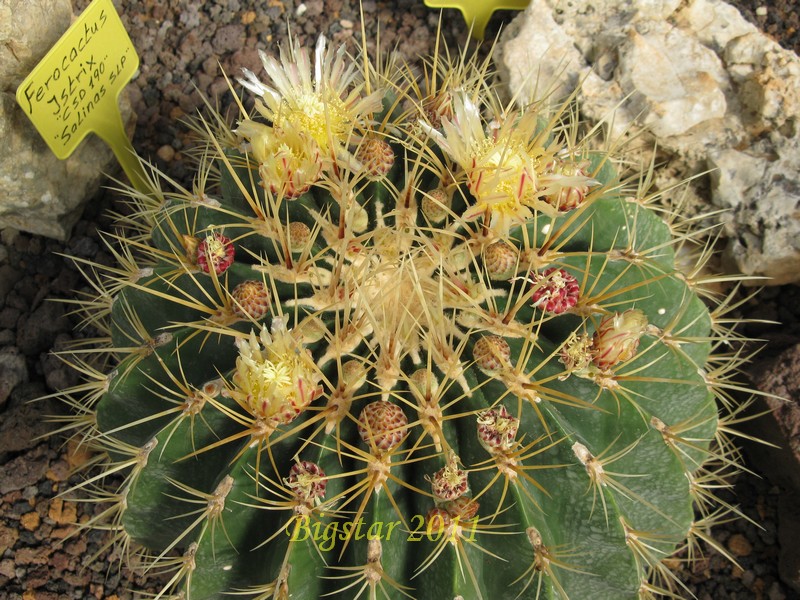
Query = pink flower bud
x=555 y=291
x=215 y=252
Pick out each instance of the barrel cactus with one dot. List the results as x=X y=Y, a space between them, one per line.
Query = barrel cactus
x=402 y=339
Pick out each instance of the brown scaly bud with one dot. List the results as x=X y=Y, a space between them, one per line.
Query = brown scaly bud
x=307 y=481
x=492 y=354
x=299 y=233
x=617 y=338
x=437 y=519
x=463 y=508
x=382 y=425
x=435 y=205
x=376 y=157
x=449 y=482
x=215 y=252
x=251 y=300
x=555 y=290
x=500 y=260
x=497 y=429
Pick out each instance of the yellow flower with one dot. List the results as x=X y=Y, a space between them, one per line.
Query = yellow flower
x=275 y=378
x=501 y=166
x=326 y=103
x=289 y=161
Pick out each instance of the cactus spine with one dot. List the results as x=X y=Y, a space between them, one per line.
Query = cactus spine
x=402 y=340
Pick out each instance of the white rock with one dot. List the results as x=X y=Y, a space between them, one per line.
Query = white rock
x=539 y=58
x=766 y=77
x=674 y=82
x=714 y=23
x=50 y=202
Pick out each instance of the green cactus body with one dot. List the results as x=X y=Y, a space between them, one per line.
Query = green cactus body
x=398 y=343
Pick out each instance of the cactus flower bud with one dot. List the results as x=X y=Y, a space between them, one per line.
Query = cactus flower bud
x=435 y=205
x=438 y=520
x=500 y=260
x=383 y=425
x=376 y=157
x=299 y=233
x=617 y=338
x=463 y=508
x=424 y=382
x=492 y=354
x=251 y=300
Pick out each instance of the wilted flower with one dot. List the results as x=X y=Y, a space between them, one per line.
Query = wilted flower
x=307 y=481
x=215 y=252
x=497 y=429
x=555 y=291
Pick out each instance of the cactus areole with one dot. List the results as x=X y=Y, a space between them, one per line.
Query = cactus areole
x=382 y=350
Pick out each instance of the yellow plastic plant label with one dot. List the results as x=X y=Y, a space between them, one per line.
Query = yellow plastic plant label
x=478 y=12
x=75 y=88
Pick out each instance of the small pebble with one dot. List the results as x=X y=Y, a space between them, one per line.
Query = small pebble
x=761 y=11
x=30 y=521
x=775 y=592
x=740 y=546
x=166 y=153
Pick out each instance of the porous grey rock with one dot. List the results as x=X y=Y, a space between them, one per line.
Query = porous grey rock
x=38 y=192
x=763 y=194
x=37 y=332
x=699 y=81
